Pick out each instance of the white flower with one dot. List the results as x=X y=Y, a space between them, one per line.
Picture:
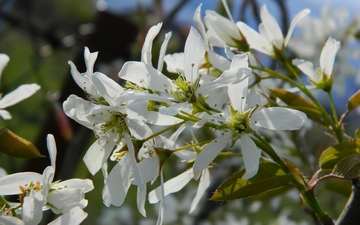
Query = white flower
x=104 y=113
x=185 y=89
x=270 y=40
x=239 y=124
x=39 y=192
x=321 y=77
x=22 y=92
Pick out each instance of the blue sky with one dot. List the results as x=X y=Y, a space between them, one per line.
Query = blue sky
x=185 y=15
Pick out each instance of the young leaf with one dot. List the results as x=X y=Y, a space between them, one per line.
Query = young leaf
x=334 y=154
x=297 y=102
x=269 y=177
x=354 y=101
x=16 y=146
x=348 y=168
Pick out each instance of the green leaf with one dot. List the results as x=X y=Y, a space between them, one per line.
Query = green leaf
x=16 y=146
x=354 y=101
x=297 y=102
x=269 y=177
x=334 y=154
x=348 y=168
x=357 y=133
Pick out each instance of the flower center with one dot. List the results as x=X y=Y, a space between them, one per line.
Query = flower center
x=185 y=91
x=115 y=123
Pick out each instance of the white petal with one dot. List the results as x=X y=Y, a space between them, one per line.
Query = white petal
x=9 y=220
x=9 y=184
x=48 y=177
x=51 y=146
x=65 y=197
x=240 y=61
x=90 y=58
x=174 y=62
x=171 y=186
x=98 y=153
x=199 y=23
x=147 y=46
x=159 y=119
x=193 y=54
x=327 y=56
x=117 y=183
x=163 y=51
x=238 y=93
x=219 y=62
x=278 y=118
x=254 y=39
x=145 y=76
x=203 y=185
x=149 y=169
x=271 y=26
x=4 y=59
x=140 y=200
x=307 y=68
x=296 y=19
x=222 y=27
x=209 y=153
x=5 y=114
x=22 y=92
x=106 y=87
x=32 y=208
x=161 y=208
x=74 y=216
x=251 y=155
x=228 y=77
x=85 y=185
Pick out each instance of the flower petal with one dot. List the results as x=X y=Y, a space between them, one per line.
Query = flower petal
x=145 y=76
x=307 y=68
x=74 y=216
x=278 y=118
x=193 y=54
x=203 y=185
x=163 y=51
x=9 y=184
x=51 y=146
x=147 y=46
x=272 y=27
x=32 y=208
x=171 y=186
x=117 y=183
x=22 y=92
x=296 y=19
x=5 y=114
x=251 y=155
x=254 y=39
x=209 y=153
x=98 y=153
x=237 y=94
x=327 y=56
x=4 y=59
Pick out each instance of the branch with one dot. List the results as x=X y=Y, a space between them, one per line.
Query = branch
x=350 y=214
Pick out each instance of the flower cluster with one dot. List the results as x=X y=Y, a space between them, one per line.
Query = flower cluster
x=211 y=92
x=216 y=101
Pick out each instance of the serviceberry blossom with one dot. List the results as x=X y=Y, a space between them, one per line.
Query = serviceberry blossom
x=321 y=77
x=22 y=92
x=238 y=125
x=103 y=113
x=270 y=39
x=38 y=192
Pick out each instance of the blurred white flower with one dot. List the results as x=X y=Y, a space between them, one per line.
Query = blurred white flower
x=22 y=92
x=270 y=39
x=39 y=192
x=321 y=77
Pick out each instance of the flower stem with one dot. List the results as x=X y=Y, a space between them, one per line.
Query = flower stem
x=307 y=194
x=7 y=205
